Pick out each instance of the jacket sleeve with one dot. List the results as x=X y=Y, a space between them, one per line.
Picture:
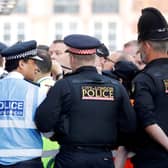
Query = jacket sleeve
x=48 y=113
x=144 y=102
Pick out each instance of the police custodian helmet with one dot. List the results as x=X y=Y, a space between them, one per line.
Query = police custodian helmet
x=152 y=25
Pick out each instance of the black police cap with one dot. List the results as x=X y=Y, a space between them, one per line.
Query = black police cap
x=102 y=51
x=20 y=50
x=152 y=25
x=81 y=44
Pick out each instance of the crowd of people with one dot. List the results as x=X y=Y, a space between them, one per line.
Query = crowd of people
x=77 y=104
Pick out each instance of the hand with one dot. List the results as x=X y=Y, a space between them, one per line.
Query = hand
x=56 y=69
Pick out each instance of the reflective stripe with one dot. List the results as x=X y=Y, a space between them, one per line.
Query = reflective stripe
x=28 y=122
x=20 y=152
x=16 y=124
x=49 y=153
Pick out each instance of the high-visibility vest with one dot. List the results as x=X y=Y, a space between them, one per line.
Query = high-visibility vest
x=20 y=139
x=50 y=149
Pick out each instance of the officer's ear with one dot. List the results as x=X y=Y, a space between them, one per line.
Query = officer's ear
x=21 y=63
x=147 y=45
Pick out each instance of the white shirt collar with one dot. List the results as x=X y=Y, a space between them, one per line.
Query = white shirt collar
x=44 y=78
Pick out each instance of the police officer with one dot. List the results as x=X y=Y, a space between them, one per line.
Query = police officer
x=21 y=143
x=86 y=110
x=151 y=91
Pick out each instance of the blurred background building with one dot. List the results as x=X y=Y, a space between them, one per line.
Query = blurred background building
x=112 y=21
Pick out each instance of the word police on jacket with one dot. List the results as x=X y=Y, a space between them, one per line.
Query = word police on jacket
x=97 y=93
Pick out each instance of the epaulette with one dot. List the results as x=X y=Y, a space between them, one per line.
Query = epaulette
x=34 y=83
x=69 y=74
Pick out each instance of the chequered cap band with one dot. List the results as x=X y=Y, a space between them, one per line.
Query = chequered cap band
x=23 y=55
x=82 y=51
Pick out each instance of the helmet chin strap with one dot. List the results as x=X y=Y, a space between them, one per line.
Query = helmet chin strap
x=65 y=67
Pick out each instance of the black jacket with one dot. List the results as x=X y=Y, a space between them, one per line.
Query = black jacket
x=86 y=108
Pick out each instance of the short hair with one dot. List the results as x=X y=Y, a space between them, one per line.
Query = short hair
x=45 y=65
x=84 y=58
x=43 y=47
x=131 y=43
x=58 y=41
x=11 y=65
x=160 y=46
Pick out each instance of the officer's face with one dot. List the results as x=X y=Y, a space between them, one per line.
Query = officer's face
x=28 y=69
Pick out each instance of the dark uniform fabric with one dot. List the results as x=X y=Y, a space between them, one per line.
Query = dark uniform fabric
x=151 y=104
x=110 y=74
x=87 y=111
x=34 y=163
x=83 y=157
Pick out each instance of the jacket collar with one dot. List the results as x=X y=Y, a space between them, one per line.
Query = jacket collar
x=86 y=68
x=15 y=74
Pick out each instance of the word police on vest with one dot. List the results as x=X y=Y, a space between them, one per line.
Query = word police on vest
x=11 y=108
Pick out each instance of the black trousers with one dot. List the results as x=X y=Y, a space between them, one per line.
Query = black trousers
x=150 y=158
x=34 y=163
x=84 y=157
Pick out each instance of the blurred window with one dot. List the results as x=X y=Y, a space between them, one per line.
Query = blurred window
x=105 y=6
x=98 y=30
x=7 y=32
x=20 y=31
x=66 y=6
x=58 y=31
x=62 y=29
x=7 y=6
x=21 y=6
x=106 y=32
x=72 y=27
x=13 y=32
x=112 y=28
